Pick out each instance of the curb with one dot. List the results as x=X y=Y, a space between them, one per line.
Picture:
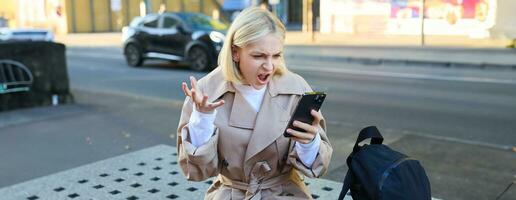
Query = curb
x=406 y=62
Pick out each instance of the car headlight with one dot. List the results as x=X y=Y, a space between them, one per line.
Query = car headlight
x=217 y=37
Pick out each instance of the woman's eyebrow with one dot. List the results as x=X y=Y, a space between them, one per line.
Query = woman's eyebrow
x=257 y=52
x=260 y=52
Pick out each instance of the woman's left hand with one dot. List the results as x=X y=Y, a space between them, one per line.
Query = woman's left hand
x=310 y=129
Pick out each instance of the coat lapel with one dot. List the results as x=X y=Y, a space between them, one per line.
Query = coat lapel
x=242 y=114
x=267 y=127
x=215 y=86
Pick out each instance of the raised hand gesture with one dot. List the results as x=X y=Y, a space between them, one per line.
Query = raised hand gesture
x=198 y=98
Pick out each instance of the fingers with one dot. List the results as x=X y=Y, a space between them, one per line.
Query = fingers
x=216 y=104
x=193 y=82
x=193 y=95
x=301 y=136
x=310 y=129
x=186 y=90
x=317 y=117
x=204 y=101
x=307 y=127
x=199 y=99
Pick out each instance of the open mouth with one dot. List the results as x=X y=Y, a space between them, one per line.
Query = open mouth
x=263 y=77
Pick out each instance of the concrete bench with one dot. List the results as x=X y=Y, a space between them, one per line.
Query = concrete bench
x=33 y=74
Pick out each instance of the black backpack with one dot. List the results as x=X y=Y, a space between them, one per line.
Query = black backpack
x=378 y=172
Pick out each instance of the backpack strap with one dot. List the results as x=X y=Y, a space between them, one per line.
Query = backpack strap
x=346 y=185
x=366 y=133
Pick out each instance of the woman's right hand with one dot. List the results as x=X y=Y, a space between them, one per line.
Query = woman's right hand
x=198 y=98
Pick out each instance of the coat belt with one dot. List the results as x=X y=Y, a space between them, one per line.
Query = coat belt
x=254 y=187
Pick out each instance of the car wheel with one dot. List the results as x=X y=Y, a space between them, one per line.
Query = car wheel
x=133 y=55
x=198 y=59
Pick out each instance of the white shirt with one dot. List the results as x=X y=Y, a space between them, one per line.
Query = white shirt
x=201 y=125
x=253 y=96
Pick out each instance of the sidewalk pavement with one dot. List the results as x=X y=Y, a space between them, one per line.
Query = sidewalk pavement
x=151 y=173
x=440 y=51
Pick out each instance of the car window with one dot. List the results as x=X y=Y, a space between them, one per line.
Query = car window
x=151 y=22
x=169 y=22
x=204 y=22
x=137 y=21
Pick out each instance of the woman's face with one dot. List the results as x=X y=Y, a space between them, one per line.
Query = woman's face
x=258 y=60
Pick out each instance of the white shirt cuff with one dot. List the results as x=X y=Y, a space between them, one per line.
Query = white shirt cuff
x=308 y=152
x=201 y=127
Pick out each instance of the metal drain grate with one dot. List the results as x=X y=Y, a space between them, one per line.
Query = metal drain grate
x=151 y=173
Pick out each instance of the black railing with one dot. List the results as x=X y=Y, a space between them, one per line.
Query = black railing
x=14 y=77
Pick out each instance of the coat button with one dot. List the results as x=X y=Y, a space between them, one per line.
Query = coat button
x=225 y=163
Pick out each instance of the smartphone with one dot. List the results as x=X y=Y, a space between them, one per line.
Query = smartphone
x=309 y=101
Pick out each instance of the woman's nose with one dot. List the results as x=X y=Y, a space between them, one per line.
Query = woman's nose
x=268 y=65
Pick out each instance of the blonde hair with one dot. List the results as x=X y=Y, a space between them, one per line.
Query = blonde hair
x=249 y=26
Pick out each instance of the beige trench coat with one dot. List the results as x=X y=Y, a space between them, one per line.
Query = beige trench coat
x=247 y=153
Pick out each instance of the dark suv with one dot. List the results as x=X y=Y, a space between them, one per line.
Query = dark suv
x=191 y=37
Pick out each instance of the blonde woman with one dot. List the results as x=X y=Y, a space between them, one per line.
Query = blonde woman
x=233 y=119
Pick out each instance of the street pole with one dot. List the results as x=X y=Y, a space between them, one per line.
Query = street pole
x=304 y=27
x=311 y=19
x=148 y=6
x=422 y=17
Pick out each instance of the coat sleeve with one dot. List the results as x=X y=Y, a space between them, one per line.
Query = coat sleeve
x=198 y=163
x=322 y=160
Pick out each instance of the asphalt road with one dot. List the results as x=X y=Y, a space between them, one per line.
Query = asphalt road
x=473 y=106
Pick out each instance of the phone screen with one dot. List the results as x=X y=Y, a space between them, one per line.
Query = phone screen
x=309 y=101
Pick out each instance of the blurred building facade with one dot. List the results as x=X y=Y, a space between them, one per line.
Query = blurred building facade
x=469 y=18
x=87 y=16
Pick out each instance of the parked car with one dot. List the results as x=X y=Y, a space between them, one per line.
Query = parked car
x=26 y=34
x=193 y=38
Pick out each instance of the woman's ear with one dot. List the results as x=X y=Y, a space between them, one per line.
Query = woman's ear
x=234 y=53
